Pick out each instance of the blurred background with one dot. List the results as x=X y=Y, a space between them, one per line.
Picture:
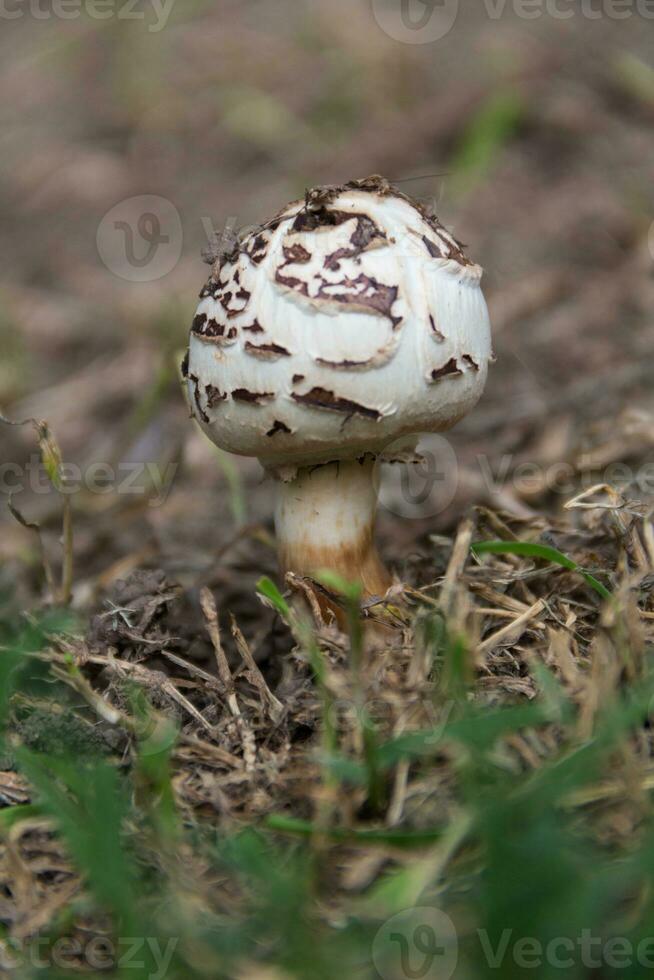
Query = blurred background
x=130 y=134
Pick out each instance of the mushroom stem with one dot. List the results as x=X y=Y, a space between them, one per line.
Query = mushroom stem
x=325 y=519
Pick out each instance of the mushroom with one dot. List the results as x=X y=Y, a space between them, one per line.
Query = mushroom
x=327 y=340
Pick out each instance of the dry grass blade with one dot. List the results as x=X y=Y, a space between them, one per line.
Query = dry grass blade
x=53 y=463
x=254 y=675
x=73 y=677
x=192 y=668
x=306 y=588
x=34 y=526
x=648 y=536
x=211 y=616
x=68 y=556
x=103 y=709
x=512 y=632
x=456 y=564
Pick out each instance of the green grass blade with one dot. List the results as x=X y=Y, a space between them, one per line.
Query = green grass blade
x=89 y=807
x=486 y=135
x=396 y=838
x=232 y=476
x=269 y=590
x=478 y=730
x=529 y=549
x=12 y=815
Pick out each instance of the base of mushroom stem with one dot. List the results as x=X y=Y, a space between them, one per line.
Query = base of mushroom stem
x=325 y=519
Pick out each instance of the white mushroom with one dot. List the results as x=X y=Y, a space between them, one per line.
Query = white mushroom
x=328 y=339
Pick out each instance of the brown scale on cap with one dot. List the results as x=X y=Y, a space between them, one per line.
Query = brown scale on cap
x=436 y=333
x=266 y=351
x=322 y=398
x=366 y=292
x=254 y=397
x=318 y=197
x=209 y=329
x=292 y=282
x=254 y=327
x=227 y=299
x=454 y=249
x=258 y=248
x=434 y=250
x=214 y=395
x=366 y=235
x=321 y=216
x=295 y=254
x=345 y=365
x=449 y=370
x=363 y=293
x=193 y=378
x=278 y=427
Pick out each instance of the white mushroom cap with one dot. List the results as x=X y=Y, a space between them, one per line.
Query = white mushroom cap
x=348 y=324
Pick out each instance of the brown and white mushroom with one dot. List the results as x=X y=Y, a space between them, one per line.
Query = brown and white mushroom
x=327 y=340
